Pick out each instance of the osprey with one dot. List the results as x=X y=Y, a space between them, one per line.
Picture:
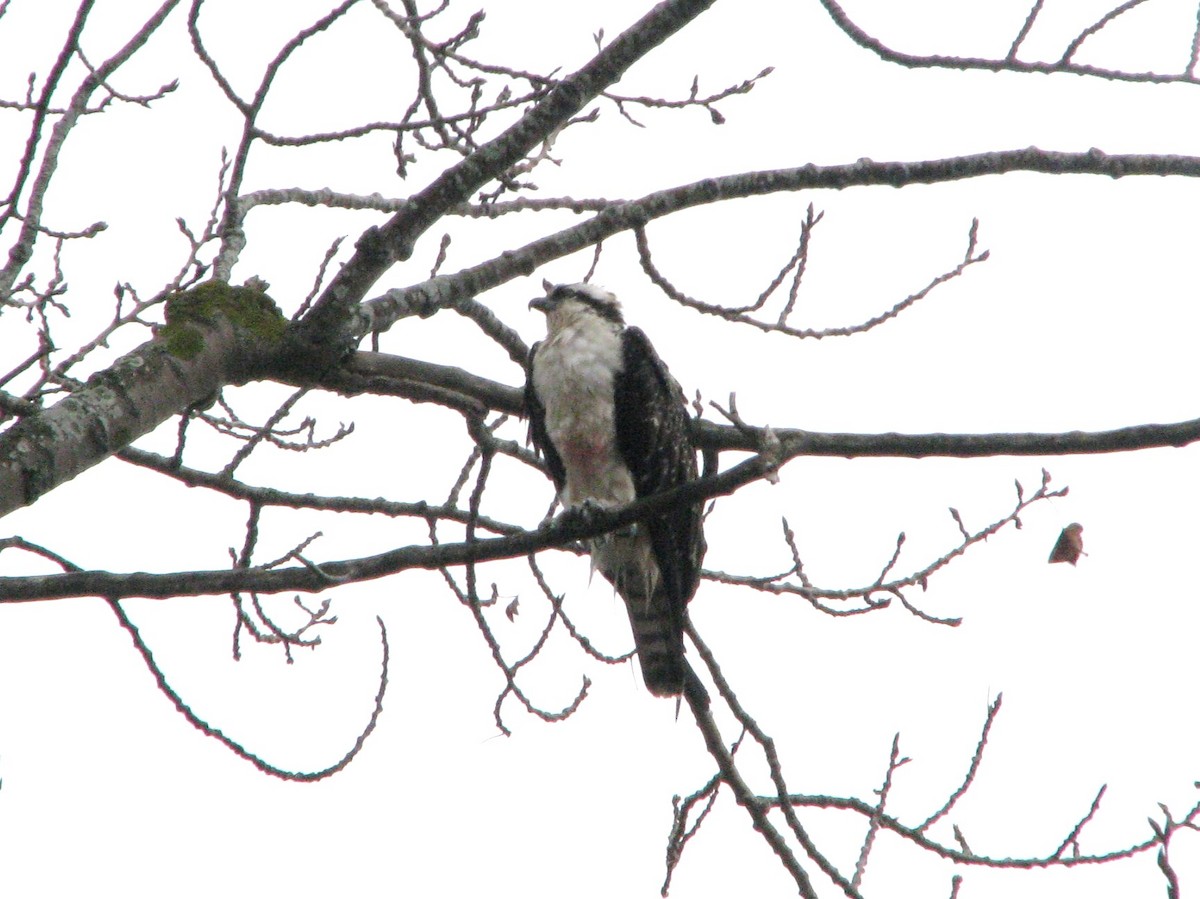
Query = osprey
x=612 y=426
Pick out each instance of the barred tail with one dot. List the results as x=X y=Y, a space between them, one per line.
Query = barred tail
x=658 y=639
x=627 y=561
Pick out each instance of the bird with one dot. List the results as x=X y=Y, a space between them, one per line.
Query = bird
x=611 y=424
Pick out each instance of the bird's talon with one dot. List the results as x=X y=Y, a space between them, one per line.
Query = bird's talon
x=586 y=513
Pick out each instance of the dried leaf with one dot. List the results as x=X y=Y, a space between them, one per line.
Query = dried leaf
x=1069 y=546
x=511 y=609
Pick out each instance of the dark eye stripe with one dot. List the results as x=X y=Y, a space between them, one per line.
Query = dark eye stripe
x=604 y=309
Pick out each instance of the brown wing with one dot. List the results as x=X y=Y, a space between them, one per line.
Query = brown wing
x=655 y=443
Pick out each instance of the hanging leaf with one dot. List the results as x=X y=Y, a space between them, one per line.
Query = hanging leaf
x=1069 y=546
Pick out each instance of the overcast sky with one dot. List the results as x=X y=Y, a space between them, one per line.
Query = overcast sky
x=1083 y=318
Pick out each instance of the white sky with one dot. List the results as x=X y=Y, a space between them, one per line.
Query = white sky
x=1084 y=318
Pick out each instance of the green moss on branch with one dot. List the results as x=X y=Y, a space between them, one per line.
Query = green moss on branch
x=189 y=313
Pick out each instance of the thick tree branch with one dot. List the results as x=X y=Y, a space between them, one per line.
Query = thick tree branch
x=413 y=379
x=419 y=380
x=21 y=480
x=567 y=529
x=89 y=426
x=380 y=247
x=215 y=335
x=959 y=446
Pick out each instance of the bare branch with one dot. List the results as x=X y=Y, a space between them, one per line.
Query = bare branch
x=894 y=762
x=1010 y=63
x=745 y=797
x=1026 y=27
x=867 y=595
x=21 y=251
x=780 y=326
x=992 y=712
x=755 y=808
x=270 y=496
x=1097 y=27
x=237 y=748
x=379 y=248
x=681 y=833
x=619 y=216
x=1072 y=840
x=963 y=856
x=563 y=530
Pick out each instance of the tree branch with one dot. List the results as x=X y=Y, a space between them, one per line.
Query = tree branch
x=445 y=291
x=563 y=530
x=215 y=335
x=379 y=248
x=1009 y=63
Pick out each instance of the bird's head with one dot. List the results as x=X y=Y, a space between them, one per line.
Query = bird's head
x=566 y=302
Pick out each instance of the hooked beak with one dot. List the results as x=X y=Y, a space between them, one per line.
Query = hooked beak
x=541 y=304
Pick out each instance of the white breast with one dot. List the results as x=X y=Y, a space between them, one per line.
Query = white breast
x=573 y=375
